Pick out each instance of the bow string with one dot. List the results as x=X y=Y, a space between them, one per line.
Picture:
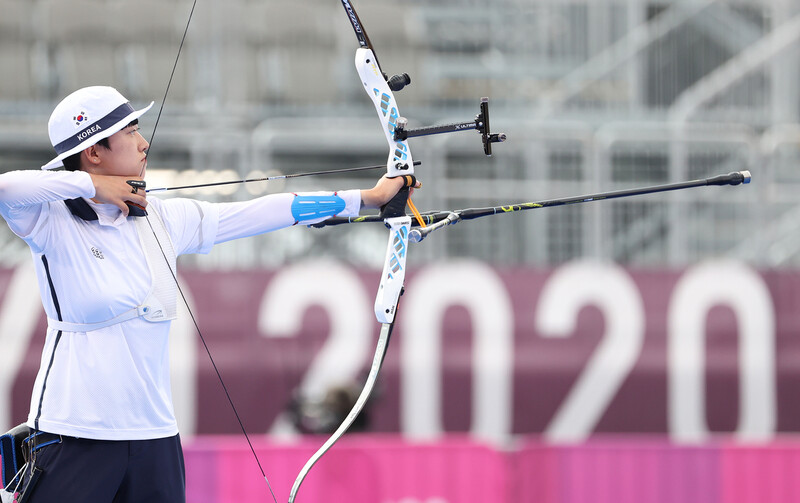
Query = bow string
x=140 y=212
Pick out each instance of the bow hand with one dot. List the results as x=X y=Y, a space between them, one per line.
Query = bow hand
x=390 y=195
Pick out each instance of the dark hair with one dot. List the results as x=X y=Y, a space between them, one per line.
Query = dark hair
x=73 y=162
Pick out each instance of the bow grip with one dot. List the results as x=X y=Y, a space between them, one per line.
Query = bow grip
x=396 y=207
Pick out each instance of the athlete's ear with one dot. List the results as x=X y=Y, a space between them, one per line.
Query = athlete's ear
x=91 y=155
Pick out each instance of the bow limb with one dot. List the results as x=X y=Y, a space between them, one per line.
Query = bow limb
x=377 y=362
x=386 y=302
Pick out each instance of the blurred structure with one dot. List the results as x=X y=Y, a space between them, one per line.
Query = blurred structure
x=594 y=96
x=325 y=415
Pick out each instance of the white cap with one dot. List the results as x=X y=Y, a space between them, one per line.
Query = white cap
x=87 y=116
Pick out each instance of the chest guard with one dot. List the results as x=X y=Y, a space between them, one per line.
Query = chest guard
x=160 y=303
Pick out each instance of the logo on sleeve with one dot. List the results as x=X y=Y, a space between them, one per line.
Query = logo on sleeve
x=97 y=253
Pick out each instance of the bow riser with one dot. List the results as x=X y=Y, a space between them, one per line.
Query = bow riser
x=394 y=269
x=399 y=161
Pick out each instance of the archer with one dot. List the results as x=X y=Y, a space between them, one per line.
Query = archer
x=105 y=257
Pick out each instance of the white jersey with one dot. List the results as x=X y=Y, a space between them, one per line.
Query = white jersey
x=112 y=383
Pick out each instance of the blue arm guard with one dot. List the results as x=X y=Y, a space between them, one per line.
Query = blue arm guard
x=316 y=206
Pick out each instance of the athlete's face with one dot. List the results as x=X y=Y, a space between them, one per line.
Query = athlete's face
x=126 y=155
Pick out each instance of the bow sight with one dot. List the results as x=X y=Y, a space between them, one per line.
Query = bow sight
x=481 y=124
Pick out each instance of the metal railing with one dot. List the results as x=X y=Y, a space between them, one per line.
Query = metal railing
x=647 y=92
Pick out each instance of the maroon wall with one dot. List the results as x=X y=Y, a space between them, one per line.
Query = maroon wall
x=633 y=333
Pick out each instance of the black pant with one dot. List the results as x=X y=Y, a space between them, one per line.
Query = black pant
x=110 y=471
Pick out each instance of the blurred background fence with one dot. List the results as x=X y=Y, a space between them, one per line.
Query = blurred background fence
x=594 y=96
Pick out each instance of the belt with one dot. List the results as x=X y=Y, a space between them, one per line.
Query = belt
x=40 y=439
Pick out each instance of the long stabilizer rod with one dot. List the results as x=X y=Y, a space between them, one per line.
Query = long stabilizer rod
x=438 y=219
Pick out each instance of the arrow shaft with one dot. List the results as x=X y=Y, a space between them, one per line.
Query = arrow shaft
x=271 y=178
